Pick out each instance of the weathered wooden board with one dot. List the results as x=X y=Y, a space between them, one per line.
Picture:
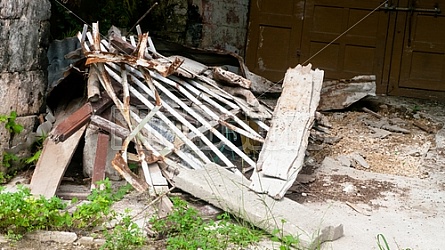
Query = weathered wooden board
x=53 y=163
x=230 y=192
x=100 y=160
x=72 y=123
x=282 y=155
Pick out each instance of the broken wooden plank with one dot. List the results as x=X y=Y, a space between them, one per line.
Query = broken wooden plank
x=189 y=68
x=53 y=163
x=71 y=124
x=121 y=166
x=230 y=79
x=282 y=155
x=93 y=86
x=100 y=160
x=229 y=192
x=337 y=95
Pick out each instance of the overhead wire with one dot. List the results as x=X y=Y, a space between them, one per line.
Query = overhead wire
x=331 y=42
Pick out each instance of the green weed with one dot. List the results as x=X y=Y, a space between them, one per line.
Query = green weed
x=98 y=209
x=183 y=228
x=10 y=123
x=9 y=159
x=125 y=235
x=21 y=212
x=286 y=241
x=383 y=244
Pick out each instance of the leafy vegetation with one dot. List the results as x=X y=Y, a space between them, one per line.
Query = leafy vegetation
x=126 y=235
x=183 y=228
x=10 y=123
x=21 y=212
x=10 y=159
x=98 y=209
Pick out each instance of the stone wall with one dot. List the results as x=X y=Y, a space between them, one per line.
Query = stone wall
x=215 y=24
x=24 y=33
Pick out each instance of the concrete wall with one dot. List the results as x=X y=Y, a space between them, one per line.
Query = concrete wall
x=215 y=24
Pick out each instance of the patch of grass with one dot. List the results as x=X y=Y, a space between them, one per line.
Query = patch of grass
x=183 y=228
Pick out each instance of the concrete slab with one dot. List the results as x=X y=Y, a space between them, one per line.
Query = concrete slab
x=230 y=192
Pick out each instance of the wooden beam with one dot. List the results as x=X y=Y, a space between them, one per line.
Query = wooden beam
x=72 y=124
x=109 y=126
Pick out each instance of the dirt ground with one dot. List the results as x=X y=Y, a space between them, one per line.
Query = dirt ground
x=386 y=152
x=401 y=191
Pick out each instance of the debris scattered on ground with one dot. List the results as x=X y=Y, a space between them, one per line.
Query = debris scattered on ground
x=162 y=122
x=171 y=116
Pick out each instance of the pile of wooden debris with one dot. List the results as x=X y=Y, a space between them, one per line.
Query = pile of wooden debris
x=176 y=120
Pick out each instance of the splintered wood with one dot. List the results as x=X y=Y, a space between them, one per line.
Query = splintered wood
x=177 y=117
x=282 y=155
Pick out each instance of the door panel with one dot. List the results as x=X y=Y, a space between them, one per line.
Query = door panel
x=274 y=37
x=358 y=52
x=423 y=52
x=403 y=45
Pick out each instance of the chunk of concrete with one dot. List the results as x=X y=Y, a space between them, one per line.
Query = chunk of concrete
x=56 y=236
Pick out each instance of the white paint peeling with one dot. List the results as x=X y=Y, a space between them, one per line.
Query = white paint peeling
x=260 y=42
x=261 y=64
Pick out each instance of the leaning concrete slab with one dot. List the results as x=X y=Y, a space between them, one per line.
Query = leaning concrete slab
x=230 y=192
x=282 y=155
